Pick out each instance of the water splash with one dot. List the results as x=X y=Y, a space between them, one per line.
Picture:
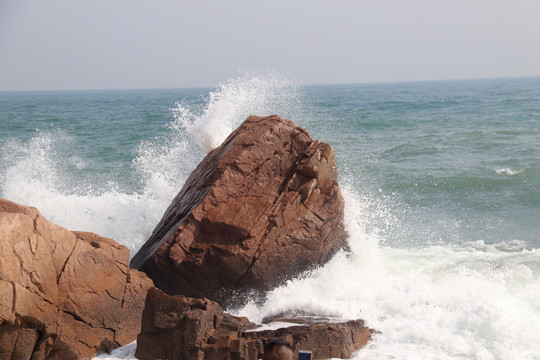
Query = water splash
x=445 y=302
x=49 y=171
x=232 y=102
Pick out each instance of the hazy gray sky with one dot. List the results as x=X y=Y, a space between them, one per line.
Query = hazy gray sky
x=102 y=44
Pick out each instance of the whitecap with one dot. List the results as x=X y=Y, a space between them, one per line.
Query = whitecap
x=507 y=171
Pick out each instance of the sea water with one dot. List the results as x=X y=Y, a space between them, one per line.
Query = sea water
x=441 y=182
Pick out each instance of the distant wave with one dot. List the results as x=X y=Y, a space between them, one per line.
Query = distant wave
x=507 y=171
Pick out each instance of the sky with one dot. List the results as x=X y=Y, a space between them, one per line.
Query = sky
x=124 y=44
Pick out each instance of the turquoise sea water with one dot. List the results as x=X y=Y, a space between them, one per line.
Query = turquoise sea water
x=441 y=181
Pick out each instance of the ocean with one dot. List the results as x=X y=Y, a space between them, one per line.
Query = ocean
x=441 y=182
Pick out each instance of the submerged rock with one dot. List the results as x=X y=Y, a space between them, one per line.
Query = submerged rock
x=63 y=294
x=181 y=328
x=260 y=208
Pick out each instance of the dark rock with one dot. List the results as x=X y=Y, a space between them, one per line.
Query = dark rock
x=177 y=327
x=262 y=207
x=63 y=294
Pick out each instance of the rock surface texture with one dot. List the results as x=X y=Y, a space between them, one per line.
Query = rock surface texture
x=263 y=206
x=63 y=294
x=181 y=328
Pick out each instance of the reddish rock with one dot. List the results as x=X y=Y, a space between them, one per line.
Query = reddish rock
x=177 y=327
x=324 y=340
x=64 y=295
x=262 y=207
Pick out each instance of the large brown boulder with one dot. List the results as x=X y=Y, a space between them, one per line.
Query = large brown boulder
x=263 y=206
x=63 y=294
x=181 y=328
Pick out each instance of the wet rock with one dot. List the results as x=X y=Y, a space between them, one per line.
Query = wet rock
x=259 y=209
x=177 y=327
x=64 y=295
x=324 y=339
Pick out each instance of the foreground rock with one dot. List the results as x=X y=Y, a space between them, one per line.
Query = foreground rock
x=176 y=327
x=63 y=295
x=262 y=207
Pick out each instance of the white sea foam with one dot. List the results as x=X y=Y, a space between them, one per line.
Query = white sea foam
x=125 y=352
x=37 y=176
x=507 y=171
x=435 y=302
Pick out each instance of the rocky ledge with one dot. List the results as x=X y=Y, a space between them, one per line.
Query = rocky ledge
x=177 y=328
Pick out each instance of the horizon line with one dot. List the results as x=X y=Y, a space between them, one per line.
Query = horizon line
x=301 y=84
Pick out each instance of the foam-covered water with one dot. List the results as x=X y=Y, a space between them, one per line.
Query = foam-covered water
x=440 y=180
x=474 y=301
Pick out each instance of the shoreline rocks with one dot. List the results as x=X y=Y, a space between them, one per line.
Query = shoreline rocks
x=263 y=207
x=64 y=295
x=182 y=328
